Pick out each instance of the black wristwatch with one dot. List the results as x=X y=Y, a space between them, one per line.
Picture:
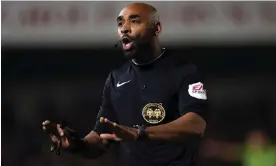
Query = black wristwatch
x=142 y=135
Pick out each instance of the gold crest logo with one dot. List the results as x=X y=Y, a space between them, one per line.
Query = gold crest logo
x=153 y=113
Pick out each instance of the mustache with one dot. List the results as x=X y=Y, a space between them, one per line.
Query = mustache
x=127 y=36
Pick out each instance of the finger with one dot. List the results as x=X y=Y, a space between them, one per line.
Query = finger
x=64 y=141
x=107 y=122
x=110 y=123
x=60 y=131
x=107 y=136
x=119 y=130
x=116 y=128
x=45 y=122
x=54 y=138
x=113 y=126
x=50 y=128
x=102 y=120
x=110 y=137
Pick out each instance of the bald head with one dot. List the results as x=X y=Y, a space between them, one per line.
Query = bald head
x=139 y=23
x=143 y=9
x=144 y=6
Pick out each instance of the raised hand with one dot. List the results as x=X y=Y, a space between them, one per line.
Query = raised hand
x=57 y=135
x=120 y=132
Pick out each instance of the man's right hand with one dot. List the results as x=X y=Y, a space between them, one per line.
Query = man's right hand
x=55 y=131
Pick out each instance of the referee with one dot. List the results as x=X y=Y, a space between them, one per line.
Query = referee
x=154 y=105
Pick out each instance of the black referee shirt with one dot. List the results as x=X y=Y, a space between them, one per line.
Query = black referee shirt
x=154 y=94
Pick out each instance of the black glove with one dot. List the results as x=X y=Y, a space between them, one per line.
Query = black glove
x=69 y=133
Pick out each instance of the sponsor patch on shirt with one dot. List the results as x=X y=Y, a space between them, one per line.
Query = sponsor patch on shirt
x=197 y=90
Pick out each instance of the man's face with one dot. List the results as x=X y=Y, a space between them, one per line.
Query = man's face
x=133 y=30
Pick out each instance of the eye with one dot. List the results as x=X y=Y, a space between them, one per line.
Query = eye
x=135 y=21
x=119 y=24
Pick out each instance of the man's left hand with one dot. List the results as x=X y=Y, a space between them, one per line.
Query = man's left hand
x=120 y=132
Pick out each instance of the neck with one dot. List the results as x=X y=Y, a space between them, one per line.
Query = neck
x=149 y=54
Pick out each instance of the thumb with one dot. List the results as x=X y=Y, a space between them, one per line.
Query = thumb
x=110 y=137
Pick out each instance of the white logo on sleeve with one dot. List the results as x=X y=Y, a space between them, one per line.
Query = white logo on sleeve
x=197 y=90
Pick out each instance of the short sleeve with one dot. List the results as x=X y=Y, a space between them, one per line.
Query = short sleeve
x=192 y=93
x=106 y=108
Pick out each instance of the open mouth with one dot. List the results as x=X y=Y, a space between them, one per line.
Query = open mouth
x=126 y=40
x=127 y=43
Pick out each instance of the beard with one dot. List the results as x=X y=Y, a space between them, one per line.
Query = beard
x=130 y=54
x=138 y=49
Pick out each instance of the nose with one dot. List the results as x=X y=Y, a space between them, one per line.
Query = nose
x=125 y=29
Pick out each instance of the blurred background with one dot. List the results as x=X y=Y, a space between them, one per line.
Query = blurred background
x=56 y=56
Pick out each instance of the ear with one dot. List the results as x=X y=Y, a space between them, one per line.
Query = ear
x=157 y=28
